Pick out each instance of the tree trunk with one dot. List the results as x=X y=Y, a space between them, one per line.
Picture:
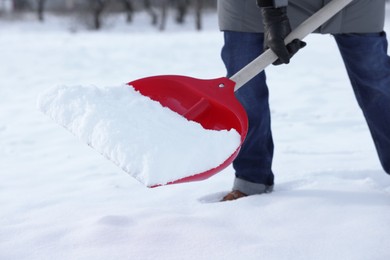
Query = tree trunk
x=129 y=10
x=182 y=7
x=198 y=14
x=41 y=9
x=97 y=7
x=163 y=22
x=150 y=11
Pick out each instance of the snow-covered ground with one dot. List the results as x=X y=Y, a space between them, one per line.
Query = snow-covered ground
x=62 y=200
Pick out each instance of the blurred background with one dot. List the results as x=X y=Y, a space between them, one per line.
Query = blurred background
x=96 y=14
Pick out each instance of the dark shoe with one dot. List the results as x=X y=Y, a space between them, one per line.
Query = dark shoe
x=233 y=195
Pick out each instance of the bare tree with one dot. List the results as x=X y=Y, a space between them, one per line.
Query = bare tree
x=164 y=11
x=129 y=7
x=182 y=9
x=150 y=10
x=97 y=9
x=198 y=14
x=41 y=9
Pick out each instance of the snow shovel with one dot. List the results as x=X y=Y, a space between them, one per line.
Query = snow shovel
x=212 y=102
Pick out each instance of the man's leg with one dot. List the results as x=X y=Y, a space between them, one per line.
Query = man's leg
x=368 y=65
x=253 y=163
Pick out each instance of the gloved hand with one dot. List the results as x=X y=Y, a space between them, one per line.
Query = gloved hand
x=276 y=28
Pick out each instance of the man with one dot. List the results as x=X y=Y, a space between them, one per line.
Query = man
x=248 y=25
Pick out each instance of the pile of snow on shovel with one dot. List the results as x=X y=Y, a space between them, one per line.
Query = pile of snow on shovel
x=152 y=143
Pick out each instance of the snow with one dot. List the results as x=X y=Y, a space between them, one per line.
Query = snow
x=61 y=200
x=152 y=143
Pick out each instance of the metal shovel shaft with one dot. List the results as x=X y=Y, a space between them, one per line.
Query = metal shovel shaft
x=304 y=29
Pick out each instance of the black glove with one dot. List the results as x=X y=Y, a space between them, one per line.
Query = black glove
x=276 y=28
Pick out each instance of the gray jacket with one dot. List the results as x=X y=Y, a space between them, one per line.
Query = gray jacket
x=361 y=16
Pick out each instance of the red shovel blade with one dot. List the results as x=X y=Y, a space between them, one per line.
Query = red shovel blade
x=211 y=103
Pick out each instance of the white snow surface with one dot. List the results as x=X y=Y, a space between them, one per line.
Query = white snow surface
x=60 y=199
x=150 y=142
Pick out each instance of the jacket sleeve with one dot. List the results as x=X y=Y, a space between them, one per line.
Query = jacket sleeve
x=272 y=3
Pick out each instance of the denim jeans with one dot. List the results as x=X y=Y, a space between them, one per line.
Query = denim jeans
x=368 y=66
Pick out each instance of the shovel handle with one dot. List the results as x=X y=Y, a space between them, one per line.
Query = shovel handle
x=304 y=29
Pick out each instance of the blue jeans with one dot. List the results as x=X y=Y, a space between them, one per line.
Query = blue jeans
x=368 y=66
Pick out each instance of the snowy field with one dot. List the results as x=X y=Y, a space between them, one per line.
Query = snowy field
x=62 y=200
